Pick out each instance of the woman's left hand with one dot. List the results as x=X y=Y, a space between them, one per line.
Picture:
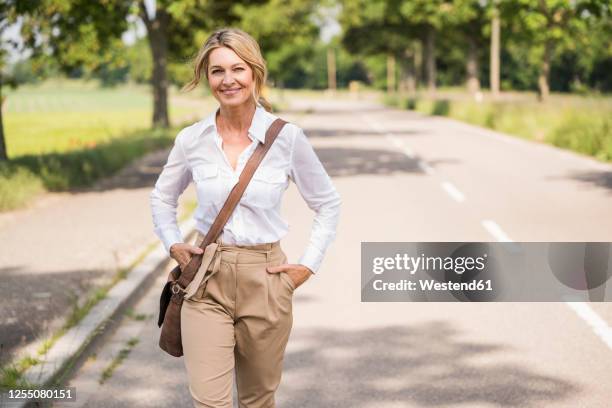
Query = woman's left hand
x=298 y=273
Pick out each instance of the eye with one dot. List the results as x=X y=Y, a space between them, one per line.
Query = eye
x=240 y=68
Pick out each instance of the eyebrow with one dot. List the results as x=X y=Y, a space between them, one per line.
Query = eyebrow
x=219 y=66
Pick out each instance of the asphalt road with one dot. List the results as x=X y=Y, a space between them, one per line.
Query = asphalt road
x=406 y=177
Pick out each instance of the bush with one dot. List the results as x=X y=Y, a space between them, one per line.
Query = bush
x=392 y=100
x=441 y=107
x=410 y=103
x=585 y=134
x=17 y=185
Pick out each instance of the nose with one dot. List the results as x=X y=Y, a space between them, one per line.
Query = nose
x=228 y=79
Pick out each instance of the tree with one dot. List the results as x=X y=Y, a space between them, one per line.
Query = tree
x=286 y=32
x=430 y=17
x=546 y=24
x=378 y=28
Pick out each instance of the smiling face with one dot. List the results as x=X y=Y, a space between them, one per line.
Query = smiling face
x=230 y=78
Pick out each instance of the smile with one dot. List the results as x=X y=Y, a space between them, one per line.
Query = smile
x=231 y=91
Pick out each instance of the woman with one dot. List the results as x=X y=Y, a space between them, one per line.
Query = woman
x=240 y=315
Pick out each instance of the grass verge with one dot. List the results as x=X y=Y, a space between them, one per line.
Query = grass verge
x=24 y=177
x=123 y=353
x=579 y=123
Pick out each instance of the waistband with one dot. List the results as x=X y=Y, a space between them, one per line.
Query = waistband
x=257 y=247
x=212 y=261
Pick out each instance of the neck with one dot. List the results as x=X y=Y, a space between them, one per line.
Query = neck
x=236 y=119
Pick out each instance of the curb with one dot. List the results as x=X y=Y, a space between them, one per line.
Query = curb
x=73 y=342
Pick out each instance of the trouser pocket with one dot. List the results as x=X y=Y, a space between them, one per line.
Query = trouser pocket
x=288 y=281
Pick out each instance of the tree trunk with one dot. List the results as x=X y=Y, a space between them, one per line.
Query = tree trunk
x=390 y=73
x=418 y=63
x=408 y=81
x=3 y=155
x=331 y=69
x=544 y=76
x=494 y=68
x=473 y=83
x=157 y=29
x=429 y=58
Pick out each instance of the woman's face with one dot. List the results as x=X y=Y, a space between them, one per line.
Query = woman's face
x=230 y=78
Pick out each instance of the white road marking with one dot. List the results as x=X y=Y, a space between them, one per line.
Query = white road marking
x=453 y=191
x=408 y=152
x=582 y=309
x=396 y=142
x=495 y=230
x=599 y=326
x=426 y=168
x=372 y=124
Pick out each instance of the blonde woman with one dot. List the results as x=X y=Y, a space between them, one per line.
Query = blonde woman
x=241 y=317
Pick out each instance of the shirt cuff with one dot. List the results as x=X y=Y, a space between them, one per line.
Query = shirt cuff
x=171 y=237
x=311 y=258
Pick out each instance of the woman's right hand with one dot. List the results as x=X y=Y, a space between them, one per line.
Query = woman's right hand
x=182 y=253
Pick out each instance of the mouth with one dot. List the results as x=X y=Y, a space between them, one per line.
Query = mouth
x=232 y=91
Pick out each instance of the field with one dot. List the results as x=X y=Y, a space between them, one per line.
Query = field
x=64 y=134
x=60 y=116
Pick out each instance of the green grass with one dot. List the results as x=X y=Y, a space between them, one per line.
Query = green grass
x=579 y=123
x=62 y=116
x=123 y=353
x=11 y=376
x=22 y=178
x=137 y=316
x=65 y=134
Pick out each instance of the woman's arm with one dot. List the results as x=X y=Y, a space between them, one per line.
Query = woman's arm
x=172 y=181
x=315 y=186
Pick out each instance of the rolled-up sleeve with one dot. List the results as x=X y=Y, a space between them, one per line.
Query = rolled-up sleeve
x=317 y=189
x=172 y=181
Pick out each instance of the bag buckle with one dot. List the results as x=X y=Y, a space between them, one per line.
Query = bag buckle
x=176 y=288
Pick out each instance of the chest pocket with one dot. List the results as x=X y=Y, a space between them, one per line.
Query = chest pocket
x=208 y=182
x=266 y=187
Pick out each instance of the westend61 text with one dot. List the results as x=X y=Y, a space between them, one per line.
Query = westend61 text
x=412 y=264
x=431 y=284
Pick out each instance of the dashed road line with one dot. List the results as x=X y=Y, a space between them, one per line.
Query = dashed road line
x=599 y=326
x=408 y=152
x=453 y=191
x=495 y=230
x=582 y=309
x=426 y=168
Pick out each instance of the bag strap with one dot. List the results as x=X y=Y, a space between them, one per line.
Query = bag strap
x=232 y=200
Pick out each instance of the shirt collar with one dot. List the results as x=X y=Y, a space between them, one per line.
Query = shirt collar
x=258 y=124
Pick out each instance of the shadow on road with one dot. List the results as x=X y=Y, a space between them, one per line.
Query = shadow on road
x=32 y=303
x=342 y=162
x=338 y=162
x=596 y=178
x=315 y=132
x=328 y=110
x=427 y=365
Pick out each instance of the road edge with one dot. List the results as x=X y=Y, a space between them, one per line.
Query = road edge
x=70 y=346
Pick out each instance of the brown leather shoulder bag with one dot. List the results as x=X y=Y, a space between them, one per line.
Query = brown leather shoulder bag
x=171 y=299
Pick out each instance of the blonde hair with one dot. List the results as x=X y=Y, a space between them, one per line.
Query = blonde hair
x=245 y=47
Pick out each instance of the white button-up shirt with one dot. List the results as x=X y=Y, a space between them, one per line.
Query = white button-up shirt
x=197 y=155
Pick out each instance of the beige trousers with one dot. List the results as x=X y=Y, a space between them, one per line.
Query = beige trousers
x=239 y=317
